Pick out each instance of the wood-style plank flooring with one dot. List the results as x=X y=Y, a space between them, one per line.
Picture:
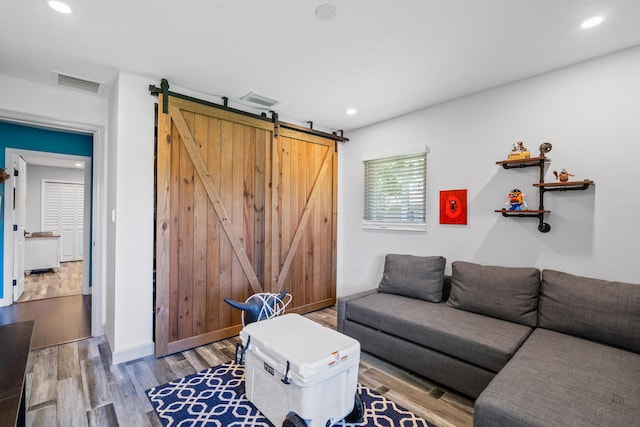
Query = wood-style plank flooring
x=50 y=284
x=57 y=320
x=75 y=384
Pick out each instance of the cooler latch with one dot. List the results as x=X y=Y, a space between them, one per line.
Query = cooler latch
x=287 y=376
x=240 y=350
x=337 y=358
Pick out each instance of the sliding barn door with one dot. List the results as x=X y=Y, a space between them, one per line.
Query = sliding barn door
x=305 y=172
x=241 y=209
x=213 y=207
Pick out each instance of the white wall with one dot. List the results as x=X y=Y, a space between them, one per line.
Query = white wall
x=50 y=103
x=35 y=175
x=110 y=234
x=591 y=115
x=130 y=200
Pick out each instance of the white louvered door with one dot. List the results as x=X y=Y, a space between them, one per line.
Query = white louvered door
x=63 y=213
x=79 y=223
x=51 y=206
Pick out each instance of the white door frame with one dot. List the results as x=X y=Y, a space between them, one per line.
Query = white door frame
x=98 y=212
x=17 y=163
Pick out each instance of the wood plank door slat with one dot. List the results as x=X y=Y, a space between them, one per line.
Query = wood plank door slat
x=163 y=228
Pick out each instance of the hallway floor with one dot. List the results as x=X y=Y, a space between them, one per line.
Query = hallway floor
x=49 y=284
x=57 y=320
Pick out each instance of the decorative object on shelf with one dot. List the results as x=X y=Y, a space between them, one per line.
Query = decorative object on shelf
x=545 y=147
x=519 y=151
x=4 y=175
x=261 y=306
x=563 y=175
x=516 y=200
x=453 y=207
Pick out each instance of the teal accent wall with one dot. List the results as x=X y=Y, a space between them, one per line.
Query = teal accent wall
x=36 y=139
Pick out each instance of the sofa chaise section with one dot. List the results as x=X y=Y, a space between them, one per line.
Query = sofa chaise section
x=556 y=380
x=580 y=367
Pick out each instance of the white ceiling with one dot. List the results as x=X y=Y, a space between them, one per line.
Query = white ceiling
x=383 y=57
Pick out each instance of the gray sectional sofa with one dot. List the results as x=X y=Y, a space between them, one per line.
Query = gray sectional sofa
x=534 y=348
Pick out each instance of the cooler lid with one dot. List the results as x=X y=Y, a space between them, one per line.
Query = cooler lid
x=309 y=347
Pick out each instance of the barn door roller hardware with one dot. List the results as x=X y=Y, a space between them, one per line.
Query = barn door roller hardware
x=164 y=90
x=276 y=123
x=166 y=93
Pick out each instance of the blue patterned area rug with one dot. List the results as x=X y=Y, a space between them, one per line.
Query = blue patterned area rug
x=215 y=397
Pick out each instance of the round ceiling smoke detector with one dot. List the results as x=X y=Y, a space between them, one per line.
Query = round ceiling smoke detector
x=326 y=12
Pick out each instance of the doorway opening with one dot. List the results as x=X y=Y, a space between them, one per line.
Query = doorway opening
x=46 y=208
x=54 y=226
x=86 y=218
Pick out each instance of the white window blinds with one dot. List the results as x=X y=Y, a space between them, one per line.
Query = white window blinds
x=395 y=192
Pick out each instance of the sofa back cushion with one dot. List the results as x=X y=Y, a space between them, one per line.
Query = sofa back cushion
x=507 y=293
x=599 y=310
x=413 y=276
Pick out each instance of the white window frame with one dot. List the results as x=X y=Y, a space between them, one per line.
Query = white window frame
x=406 y=224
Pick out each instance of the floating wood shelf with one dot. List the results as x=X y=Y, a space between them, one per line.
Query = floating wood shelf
x=522 y=163
x=569 y=185
x=542 y=186
x=524 y=211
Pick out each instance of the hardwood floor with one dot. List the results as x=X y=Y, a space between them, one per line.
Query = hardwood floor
x=49 y=284
x=75 y=384
x=57 y=320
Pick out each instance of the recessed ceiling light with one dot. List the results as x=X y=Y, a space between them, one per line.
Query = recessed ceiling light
x=592 y=22
x=351 y=111
x=78 y=165
x=326 y=12
x=58 y=6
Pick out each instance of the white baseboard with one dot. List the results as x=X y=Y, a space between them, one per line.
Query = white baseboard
x=132 y=353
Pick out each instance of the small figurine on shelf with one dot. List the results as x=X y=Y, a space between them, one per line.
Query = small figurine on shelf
x=563 y=175
x=519 y=151
x=516 y=200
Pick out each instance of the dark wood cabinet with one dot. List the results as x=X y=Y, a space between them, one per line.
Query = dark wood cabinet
x=14 y=352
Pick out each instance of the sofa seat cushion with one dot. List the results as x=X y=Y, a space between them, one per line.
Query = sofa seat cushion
x=480 y=340
x=559 y=380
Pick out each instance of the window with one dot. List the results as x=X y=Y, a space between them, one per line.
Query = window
x=395 y=192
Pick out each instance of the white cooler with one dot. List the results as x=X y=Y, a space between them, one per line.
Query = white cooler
x=293 y=364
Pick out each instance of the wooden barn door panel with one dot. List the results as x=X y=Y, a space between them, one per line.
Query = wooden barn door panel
x=213 y=216
x=306 y=199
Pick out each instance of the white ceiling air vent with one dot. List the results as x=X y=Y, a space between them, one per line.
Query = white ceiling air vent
x=263 y=101
x=77 y=83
